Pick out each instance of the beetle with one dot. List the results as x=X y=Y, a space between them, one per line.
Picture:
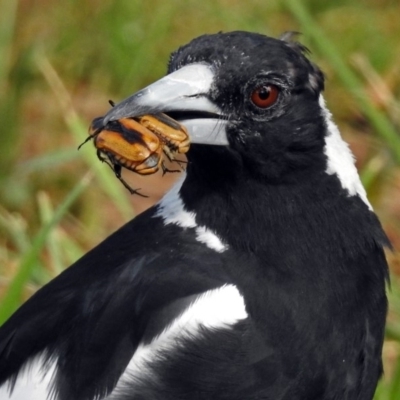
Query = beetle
x=138 y=144
x=173 y=135
x=131 y=145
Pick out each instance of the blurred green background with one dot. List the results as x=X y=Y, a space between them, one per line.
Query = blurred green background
x=60 y=62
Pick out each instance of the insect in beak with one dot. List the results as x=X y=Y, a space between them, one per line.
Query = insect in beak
x=138 y=144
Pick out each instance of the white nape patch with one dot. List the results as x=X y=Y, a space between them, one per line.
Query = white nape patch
x=218 y=308
x=341 y=159
x=33 y=383
x=210 y=239
x=172 y=210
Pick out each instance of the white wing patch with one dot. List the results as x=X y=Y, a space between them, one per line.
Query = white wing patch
x=34 y=382
x=341 y=159
x=172 y=210
x=218 y=308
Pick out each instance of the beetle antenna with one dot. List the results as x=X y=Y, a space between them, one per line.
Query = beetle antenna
x=90 y=137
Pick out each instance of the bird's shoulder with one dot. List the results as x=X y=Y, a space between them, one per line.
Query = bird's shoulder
x=71 y=319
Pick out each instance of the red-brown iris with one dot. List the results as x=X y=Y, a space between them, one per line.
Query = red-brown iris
x=265 y=96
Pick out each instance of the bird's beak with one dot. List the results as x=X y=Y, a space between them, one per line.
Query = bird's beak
x=183 y=95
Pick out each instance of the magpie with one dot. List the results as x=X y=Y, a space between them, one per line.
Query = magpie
x=261 y=273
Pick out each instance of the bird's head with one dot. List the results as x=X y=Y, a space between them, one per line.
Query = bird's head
x=249 y=95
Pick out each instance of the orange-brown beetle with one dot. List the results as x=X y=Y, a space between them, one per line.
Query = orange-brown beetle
x=131 y=145
x=173 y=135
x=138 y=143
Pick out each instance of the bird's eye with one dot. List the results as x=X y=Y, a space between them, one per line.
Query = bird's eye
x=265 y=96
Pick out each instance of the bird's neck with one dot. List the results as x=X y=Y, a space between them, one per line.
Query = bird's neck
x=295 y=212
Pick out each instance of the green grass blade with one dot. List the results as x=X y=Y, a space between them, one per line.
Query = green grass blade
x=12 y=297
x=47 y=161
x=370 y=173
x=79 y=129
x=381 y=392
x=15 y=227
x=52 y=244
x=7 y=24
x=71 y=250
x=394 y=387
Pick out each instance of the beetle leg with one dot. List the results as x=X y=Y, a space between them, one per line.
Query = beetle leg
x=110 y=162
x=101 y=157
x=131 y=190
x=180 y=162
x=167 y=151
x=165 y=169
x=117 y=168
x=105 y=159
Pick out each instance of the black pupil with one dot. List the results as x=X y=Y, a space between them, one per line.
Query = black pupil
x=264 y=92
